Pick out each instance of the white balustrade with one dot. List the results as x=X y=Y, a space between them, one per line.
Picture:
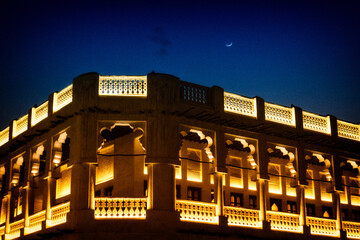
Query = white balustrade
x=352 y=229
x=39 y=113
x=120 y=208
x=35 y=222
x=4 y=136
x=15 y=228
x=195 y=211
x=316 y=123
x=59 y=214
x=281 y=221
x=322 y=226
x=279 y=114
x=20 y=125
x=135 y=86
x=242 y=217
x=348 y=130
x=63 y=98
x=239 y=104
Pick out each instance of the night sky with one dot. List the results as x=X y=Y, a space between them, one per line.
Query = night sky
x=287 y=52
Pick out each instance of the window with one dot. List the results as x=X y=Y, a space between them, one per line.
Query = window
x=194 y=193
x=236 y=199
x=105 y=192
x=42 y=162
x=251 y=184
x=194 y=166
x=310 y=209
x=252 y=202
x=344 y=214
x=275 y=179
x=145 y=188
x=108 y=191
x=291 y=207
x=275 y=204
x=178 y=191
x=65 y=150
x=327 y=212
x=356 y=216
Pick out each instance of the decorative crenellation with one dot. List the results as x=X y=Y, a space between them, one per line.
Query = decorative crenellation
x=120 y=208
x=20 y=125
x=242 y=217
x=281 y=221
x=316 y=122
x=123 y=86
x=63 y=98
x=194 y=93
x=322 y=226
x=39 y=113
x=239 y=104
x=348 y=130
x=279 y=114
x=197 y=211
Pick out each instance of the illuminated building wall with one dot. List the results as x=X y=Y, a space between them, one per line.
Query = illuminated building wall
x=155 y=157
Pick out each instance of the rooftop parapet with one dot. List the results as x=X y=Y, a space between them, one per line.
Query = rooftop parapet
x=137 y=86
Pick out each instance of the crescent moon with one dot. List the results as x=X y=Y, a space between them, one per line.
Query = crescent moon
x=229 y=45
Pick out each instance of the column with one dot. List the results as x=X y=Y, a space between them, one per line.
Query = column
x=83 y=150
x=262 y=178
x=162 y=155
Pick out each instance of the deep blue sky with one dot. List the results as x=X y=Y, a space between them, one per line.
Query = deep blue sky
x=305 y=53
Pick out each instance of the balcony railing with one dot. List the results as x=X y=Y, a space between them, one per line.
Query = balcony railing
x=20 y=125
x=242 y=217
x=239 y=104
x=348 y=130
x=15 y=228
x=352 y=229
x=4 y=136
x=35 y=222
x=281 y=221
x=120 y=208
x=39 y=113
x=131 y=86
x=63 y=98
x=197 y=211
x=316 y=123
x=194 y=93
x=322 y=226
x=279 y=114
x=59 y=214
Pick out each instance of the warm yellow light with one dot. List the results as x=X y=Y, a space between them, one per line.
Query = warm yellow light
x=58 y=214
x=133 y=208
x=194 y=211
x=130 y=86
x=62 y=98
x=63 y=184
x=239 y=104
x=4 y=136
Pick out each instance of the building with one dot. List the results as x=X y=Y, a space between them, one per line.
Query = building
x=154 y=157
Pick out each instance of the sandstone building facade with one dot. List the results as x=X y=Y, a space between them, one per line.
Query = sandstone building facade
x=154 y=157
